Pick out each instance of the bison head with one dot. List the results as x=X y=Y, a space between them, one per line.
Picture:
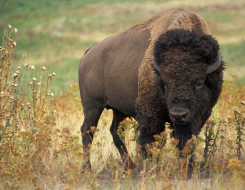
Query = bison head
x=189 y=75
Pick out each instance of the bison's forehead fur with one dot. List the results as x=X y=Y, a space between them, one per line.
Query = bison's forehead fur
x=182 y=66
x=185 y=46
x=183 y=57
x=180 y=80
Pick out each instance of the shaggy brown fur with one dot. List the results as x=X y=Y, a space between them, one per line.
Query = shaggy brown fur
x=157 y=25
x=118 y=70
x=183 y=57
x=150 y=105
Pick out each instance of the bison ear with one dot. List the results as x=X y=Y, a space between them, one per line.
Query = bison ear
x=154 y=63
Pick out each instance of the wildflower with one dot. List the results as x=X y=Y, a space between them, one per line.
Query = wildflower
x=15 y=30
x=74 y=87
x=49 y=76
x=9 y=26
x=235 y=109
x=54 y=74
x=15 y=75
x=48 y=94
x=19 y=68
x=15 y=44
x=30 y=83
x=7 y=173
x=243 y=102
x=39 y=84
x=44 y=68
x=24 y=55
x=27 y=65
x=18 y=71
x=235 y=164
x=34 y=78
x=32 y=67
x=51 y=94
x=28 y=105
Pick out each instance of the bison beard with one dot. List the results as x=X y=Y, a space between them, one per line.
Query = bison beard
x=183 y=134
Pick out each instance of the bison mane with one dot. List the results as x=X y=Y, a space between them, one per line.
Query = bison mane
x=203 y=47
x=198 y=44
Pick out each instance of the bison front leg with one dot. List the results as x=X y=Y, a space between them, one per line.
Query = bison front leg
x=144 y=139
x=117 y=118
x=148 y=127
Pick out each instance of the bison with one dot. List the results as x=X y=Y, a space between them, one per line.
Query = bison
x=165 y=69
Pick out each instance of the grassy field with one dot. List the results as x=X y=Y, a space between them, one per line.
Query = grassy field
x=56 y=34
x=40 y=143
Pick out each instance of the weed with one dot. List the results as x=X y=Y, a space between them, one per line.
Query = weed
x=40 y=142
x=210 y=140
x=239 y=126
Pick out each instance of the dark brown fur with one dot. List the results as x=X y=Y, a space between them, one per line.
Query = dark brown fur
x=117 y=72
x=183 y=57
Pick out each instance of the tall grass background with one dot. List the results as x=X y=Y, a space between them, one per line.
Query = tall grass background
x=40 y=138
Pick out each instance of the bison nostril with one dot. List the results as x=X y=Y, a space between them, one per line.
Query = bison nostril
x=179 y=115
x=183 y=116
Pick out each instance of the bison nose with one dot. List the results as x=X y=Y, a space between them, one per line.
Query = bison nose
x=180 y=115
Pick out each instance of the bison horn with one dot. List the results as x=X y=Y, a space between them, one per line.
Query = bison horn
x=214 y=66
x=155 y=64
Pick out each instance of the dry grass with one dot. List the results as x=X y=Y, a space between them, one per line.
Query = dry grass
x=40 y=142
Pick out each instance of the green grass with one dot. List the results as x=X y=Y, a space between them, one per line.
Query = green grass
x=218 y=16
x=55 y=34
x=66 y=74
x=234 y=54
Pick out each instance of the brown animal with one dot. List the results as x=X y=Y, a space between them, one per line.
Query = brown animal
x=165 y=69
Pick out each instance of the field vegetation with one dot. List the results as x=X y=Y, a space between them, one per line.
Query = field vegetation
x=41 y=113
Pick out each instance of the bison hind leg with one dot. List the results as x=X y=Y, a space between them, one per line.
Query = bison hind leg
x=91 y=118
x=117 y=118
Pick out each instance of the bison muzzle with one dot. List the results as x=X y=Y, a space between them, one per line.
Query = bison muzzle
x=165 y=69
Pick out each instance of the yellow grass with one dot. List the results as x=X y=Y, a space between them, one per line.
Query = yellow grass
x=41 y=148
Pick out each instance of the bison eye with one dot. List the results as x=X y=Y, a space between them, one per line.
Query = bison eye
x=199 y=85
x=161 y=84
